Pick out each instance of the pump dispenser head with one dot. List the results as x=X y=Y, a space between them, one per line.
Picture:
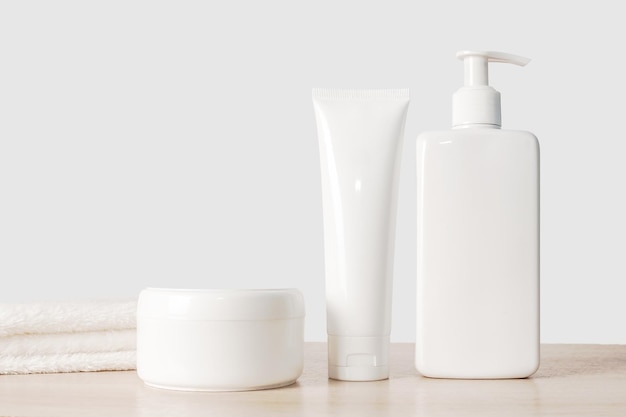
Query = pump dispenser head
x=476 y=103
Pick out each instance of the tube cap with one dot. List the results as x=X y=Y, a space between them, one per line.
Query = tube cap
x=358 y=358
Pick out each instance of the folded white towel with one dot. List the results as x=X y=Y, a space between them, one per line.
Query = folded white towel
x=68 y=316
x=69 y=362
x=76 y=336
x=44 y=344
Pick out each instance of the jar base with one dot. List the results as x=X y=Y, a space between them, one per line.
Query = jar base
x=220 y=389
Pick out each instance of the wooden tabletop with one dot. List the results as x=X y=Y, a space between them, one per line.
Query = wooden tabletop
x=573 y=380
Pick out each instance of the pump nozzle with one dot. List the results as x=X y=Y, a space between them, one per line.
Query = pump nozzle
x=477 y=103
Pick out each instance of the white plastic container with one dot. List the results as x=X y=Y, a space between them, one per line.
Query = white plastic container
x=478 y=239
x=220 y=340
x=360 y=138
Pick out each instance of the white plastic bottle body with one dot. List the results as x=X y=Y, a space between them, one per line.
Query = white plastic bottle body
x=478 y=254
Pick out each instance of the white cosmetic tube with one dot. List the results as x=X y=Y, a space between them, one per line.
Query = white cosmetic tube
x=360 y=136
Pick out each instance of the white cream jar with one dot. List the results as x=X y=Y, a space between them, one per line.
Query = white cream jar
x=220 y=340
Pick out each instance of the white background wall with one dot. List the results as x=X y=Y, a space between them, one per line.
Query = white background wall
x=173 y=143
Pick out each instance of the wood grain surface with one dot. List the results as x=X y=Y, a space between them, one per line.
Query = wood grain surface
x=573 y=380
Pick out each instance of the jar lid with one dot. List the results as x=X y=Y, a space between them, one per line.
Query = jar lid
x=220 y=304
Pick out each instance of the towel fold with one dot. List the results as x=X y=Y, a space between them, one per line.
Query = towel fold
x=44 y=344
x=77 y=336
x=68 y=362
x=68 y=316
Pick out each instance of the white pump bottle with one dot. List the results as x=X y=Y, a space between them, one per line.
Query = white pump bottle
x=478 y=238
